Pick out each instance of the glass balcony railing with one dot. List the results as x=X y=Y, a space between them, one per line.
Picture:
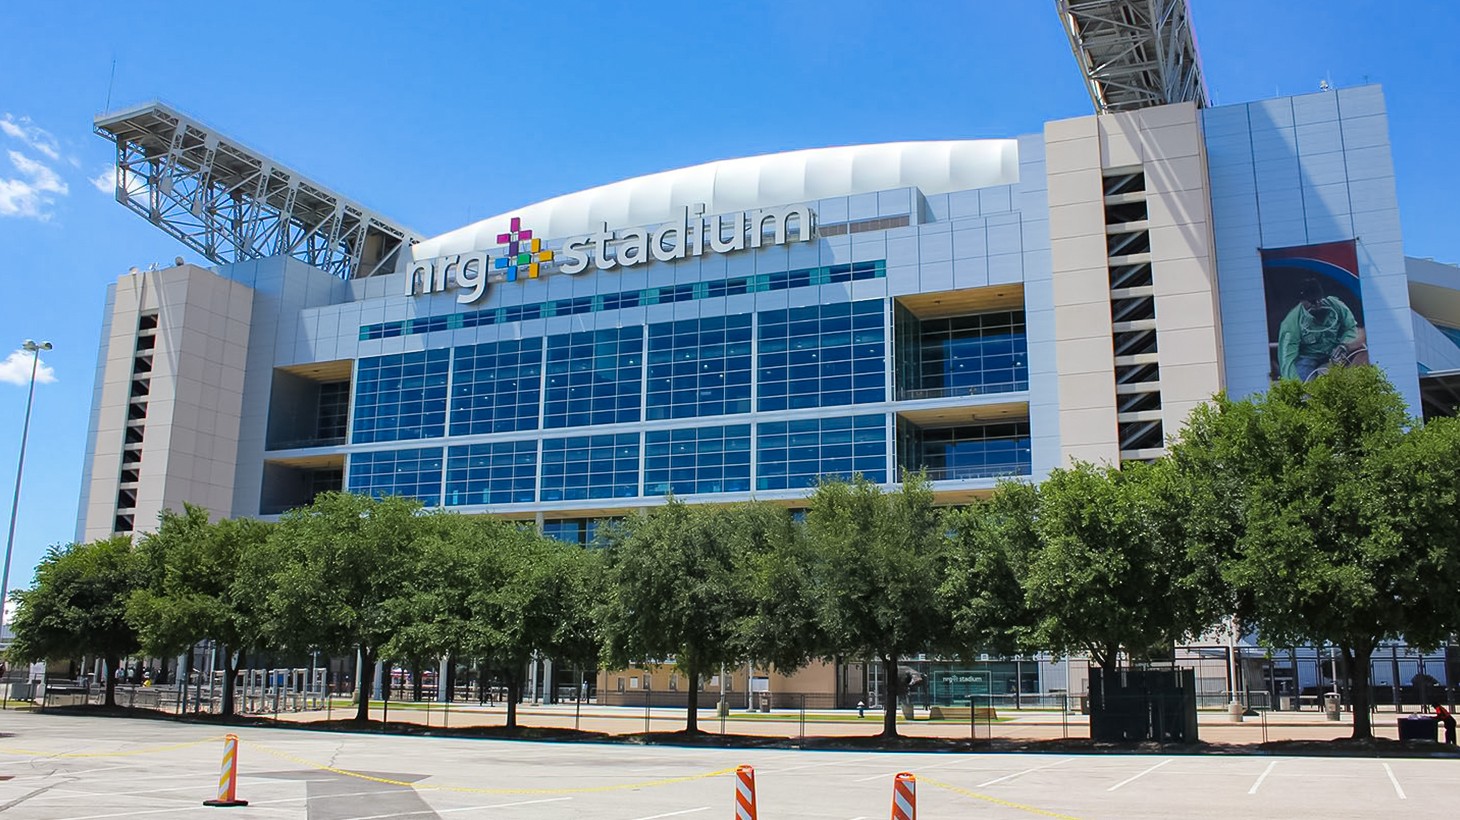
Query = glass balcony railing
x=948 y=392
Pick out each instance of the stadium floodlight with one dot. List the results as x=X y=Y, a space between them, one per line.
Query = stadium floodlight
x=34 y=348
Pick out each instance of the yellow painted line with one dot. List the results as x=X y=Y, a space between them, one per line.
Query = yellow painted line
x=643 y=784
x=10 y=750
x=996 y=801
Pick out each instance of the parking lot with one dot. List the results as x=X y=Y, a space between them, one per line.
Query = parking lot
x=55 y=767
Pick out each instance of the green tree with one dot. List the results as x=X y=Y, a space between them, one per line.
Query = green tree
x=194 y=587
x=339 y=567
x=534 y=602
x=878 y=559
x=1344 y=519
x=495 y=589
x=672 y=594
x=1108 y=573
x=992 y=543
x=430 y=611
x=772 y=570
x=77 y=606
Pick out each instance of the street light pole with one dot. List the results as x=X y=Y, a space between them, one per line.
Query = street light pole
x=34 y=349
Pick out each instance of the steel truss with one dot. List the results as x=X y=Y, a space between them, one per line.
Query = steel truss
x=1135 y=53
x=231 y=204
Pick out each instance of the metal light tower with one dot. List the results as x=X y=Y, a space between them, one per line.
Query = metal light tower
x=34 y=349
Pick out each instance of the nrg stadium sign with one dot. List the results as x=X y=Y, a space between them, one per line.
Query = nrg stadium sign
x=521 y=255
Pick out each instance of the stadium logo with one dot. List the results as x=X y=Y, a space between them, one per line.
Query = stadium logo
x=523 y=252
x=692 y=234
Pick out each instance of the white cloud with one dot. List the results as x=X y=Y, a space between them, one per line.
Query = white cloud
x=105 y=181
x=33 y=192
x=35 y=137
x=16 y=369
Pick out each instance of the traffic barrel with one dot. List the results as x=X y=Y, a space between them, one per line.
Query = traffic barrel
x=745 y=793
x=904 y=797
x=228 y=778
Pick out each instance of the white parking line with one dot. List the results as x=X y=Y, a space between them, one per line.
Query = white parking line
x=1262 y=777
x=434 y=812
x=1392 y=779
x=880 y=776
x=1138 y=776
x=1017 y=774
x=673 y=813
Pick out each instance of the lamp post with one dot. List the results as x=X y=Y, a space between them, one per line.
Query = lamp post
x=34 y=349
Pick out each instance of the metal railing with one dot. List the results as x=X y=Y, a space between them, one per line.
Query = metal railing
x=964 y=390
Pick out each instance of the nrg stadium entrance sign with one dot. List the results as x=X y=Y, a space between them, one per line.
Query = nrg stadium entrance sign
x=521 y=255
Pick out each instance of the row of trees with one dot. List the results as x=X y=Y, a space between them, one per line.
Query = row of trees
x=1314 y=513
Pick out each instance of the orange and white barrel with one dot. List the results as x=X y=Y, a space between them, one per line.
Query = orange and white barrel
x=745 y=793
x=904 y=797
x=228 y=777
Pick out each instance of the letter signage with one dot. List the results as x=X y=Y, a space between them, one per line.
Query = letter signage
x=519 y=252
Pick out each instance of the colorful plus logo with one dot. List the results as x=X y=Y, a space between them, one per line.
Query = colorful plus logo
x=523 y=252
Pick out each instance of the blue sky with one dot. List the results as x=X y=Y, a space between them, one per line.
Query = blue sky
x=439 y=116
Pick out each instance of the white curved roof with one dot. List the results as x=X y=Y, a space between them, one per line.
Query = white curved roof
x=728 y=186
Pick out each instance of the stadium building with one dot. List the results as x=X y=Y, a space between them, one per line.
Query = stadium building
x=978 y=309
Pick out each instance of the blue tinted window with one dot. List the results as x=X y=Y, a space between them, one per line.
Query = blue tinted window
x=699 y=367
x=497 y=473
x=965 y=355
x=794 y=454
x=411 y=473
x=983 y=451
x=697 y=460
x=580 y=531
x=821 y=356
x=854 y=272
x=593 y=377
x=581 y=467
x=401 y=396
x=495 y=387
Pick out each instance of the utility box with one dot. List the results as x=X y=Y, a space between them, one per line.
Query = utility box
x=1419 y=727
x=1143 y=704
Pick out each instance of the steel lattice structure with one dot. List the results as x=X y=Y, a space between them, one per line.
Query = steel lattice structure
x=1135 y=53
x=231 y=204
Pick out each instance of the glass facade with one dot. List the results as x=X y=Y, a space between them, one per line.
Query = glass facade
x=699 y=367
x=401 y=396
x=697 y=460
x=757 y=283
x=412 y=473
x=580 y=531
x=975 y=451
x=495 y=387
x=961 y=355
x=583 y=467
x=503 y=472
x=772 y=361
x=794 y=454
x=821 y=356
x=594 y=377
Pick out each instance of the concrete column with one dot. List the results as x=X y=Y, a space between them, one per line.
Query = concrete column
x=548 y=693
x=376 y=690
x=441 y=679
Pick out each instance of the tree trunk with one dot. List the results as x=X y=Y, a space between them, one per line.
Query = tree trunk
x=894 y=688
x=230 y=673
x=1357 y=658
x=363 y=686
x=416 y=681
x=112 y=663
x=692 y=705
x=512 y=675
